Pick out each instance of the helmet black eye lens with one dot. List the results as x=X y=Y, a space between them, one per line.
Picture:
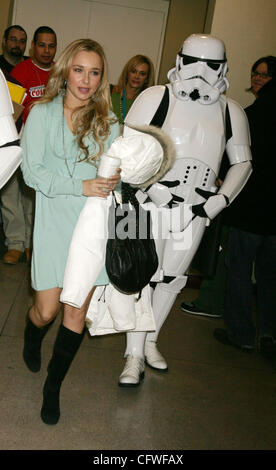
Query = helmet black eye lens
x=188 y=60
x=213 y=65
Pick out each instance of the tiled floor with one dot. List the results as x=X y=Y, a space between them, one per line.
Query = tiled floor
x=213 y=397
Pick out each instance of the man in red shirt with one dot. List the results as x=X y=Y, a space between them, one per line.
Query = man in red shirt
x=17 y=198
x=33 y=73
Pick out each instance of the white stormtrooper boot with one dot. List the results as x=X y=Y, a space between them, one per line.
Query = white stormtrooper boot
x=134 y=369
x=154 y=358
x=133 y=372
x=163 y=299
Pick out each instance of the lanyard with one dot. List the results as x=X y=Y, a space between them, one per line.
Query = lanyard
x=124 y=104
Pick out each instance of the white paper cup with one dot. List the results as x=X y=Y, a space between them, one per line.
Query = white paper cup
x=108 y=166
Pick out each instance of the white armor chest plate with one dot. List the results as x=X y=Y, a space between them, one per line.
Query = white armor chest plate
x=197 y=131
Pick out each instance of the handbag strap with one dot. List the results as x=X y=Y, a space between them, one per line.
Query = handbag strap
x=128 y=195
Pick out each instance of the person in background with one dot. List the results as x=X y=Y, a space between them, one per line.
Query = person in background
x=13 y=46
x=64 y=137
x=136 y=76
x=252 y=234
x=211 y=296
x=17 y=199
x=33 y=73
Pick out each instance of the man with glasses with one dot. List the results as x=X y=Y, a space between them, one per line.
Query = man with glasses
x=13 y=45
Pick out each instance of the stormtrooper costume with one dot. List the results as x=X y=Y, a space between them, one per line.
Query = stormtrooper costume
x=10 y=152
x=184 y=201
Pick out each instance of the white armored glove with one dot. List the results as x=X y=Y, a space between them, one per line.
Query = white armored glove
x=159 y=194
x=214 y=204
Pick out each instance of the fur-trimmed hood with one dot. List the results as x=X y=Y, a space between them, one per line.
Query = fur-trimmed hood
x=169 y=153
x=146 y=154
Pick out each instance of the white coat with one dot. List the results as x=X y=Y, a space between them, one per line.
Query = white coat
x=111 y=311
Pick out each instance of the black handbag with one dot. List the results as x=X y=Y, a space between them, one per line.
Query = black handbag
x=131 y=258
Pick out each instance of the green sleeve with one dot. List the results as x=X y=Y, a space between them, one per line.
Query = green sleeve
x=34 y=145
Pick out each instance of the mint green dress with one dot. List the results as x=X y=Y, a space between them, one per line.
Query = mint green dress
x=59 y=199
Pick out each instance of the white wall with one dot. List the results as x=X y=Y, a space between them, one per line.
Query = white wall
x=248 y=29
x=123 y=27
x=185 y=17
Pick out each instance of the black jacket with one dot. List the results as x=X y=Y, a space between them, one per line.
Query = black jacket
x=254 y=209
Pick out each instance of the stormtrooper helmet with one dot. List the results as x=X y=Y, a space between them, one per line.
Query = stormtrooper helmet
x=201 y=66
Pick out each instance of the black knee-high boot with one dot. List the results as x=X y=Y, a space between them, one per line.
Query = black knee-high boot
x=33 y=337
x=65 y=349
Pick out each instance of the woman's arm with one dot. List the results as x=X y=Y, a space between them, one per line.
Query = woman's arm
x=36 y=174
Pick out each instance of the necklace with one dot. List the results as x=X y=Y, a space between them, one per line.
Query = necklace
x=123 y=105
x=68 y=107
x=71 y=174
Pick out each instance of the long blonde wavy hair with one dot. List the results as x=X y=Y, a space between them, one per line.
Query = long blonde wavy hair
x=94 y=117
x=130 y=65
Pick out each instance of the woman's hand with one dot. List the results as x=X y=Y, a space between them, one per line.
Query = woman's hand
x=100 y=187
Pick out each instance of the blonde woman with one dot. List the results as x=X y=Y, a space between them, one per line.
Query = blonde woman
x=136 y=76
x=64 y=137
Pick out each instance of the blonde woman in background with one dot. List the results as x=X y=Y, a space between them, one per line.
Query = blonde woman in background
x=136 y=76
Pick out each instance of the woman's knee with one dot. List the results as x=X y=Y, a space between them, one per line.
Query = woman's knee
x=45 y=313
x=46 y=306
x=74 y=314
